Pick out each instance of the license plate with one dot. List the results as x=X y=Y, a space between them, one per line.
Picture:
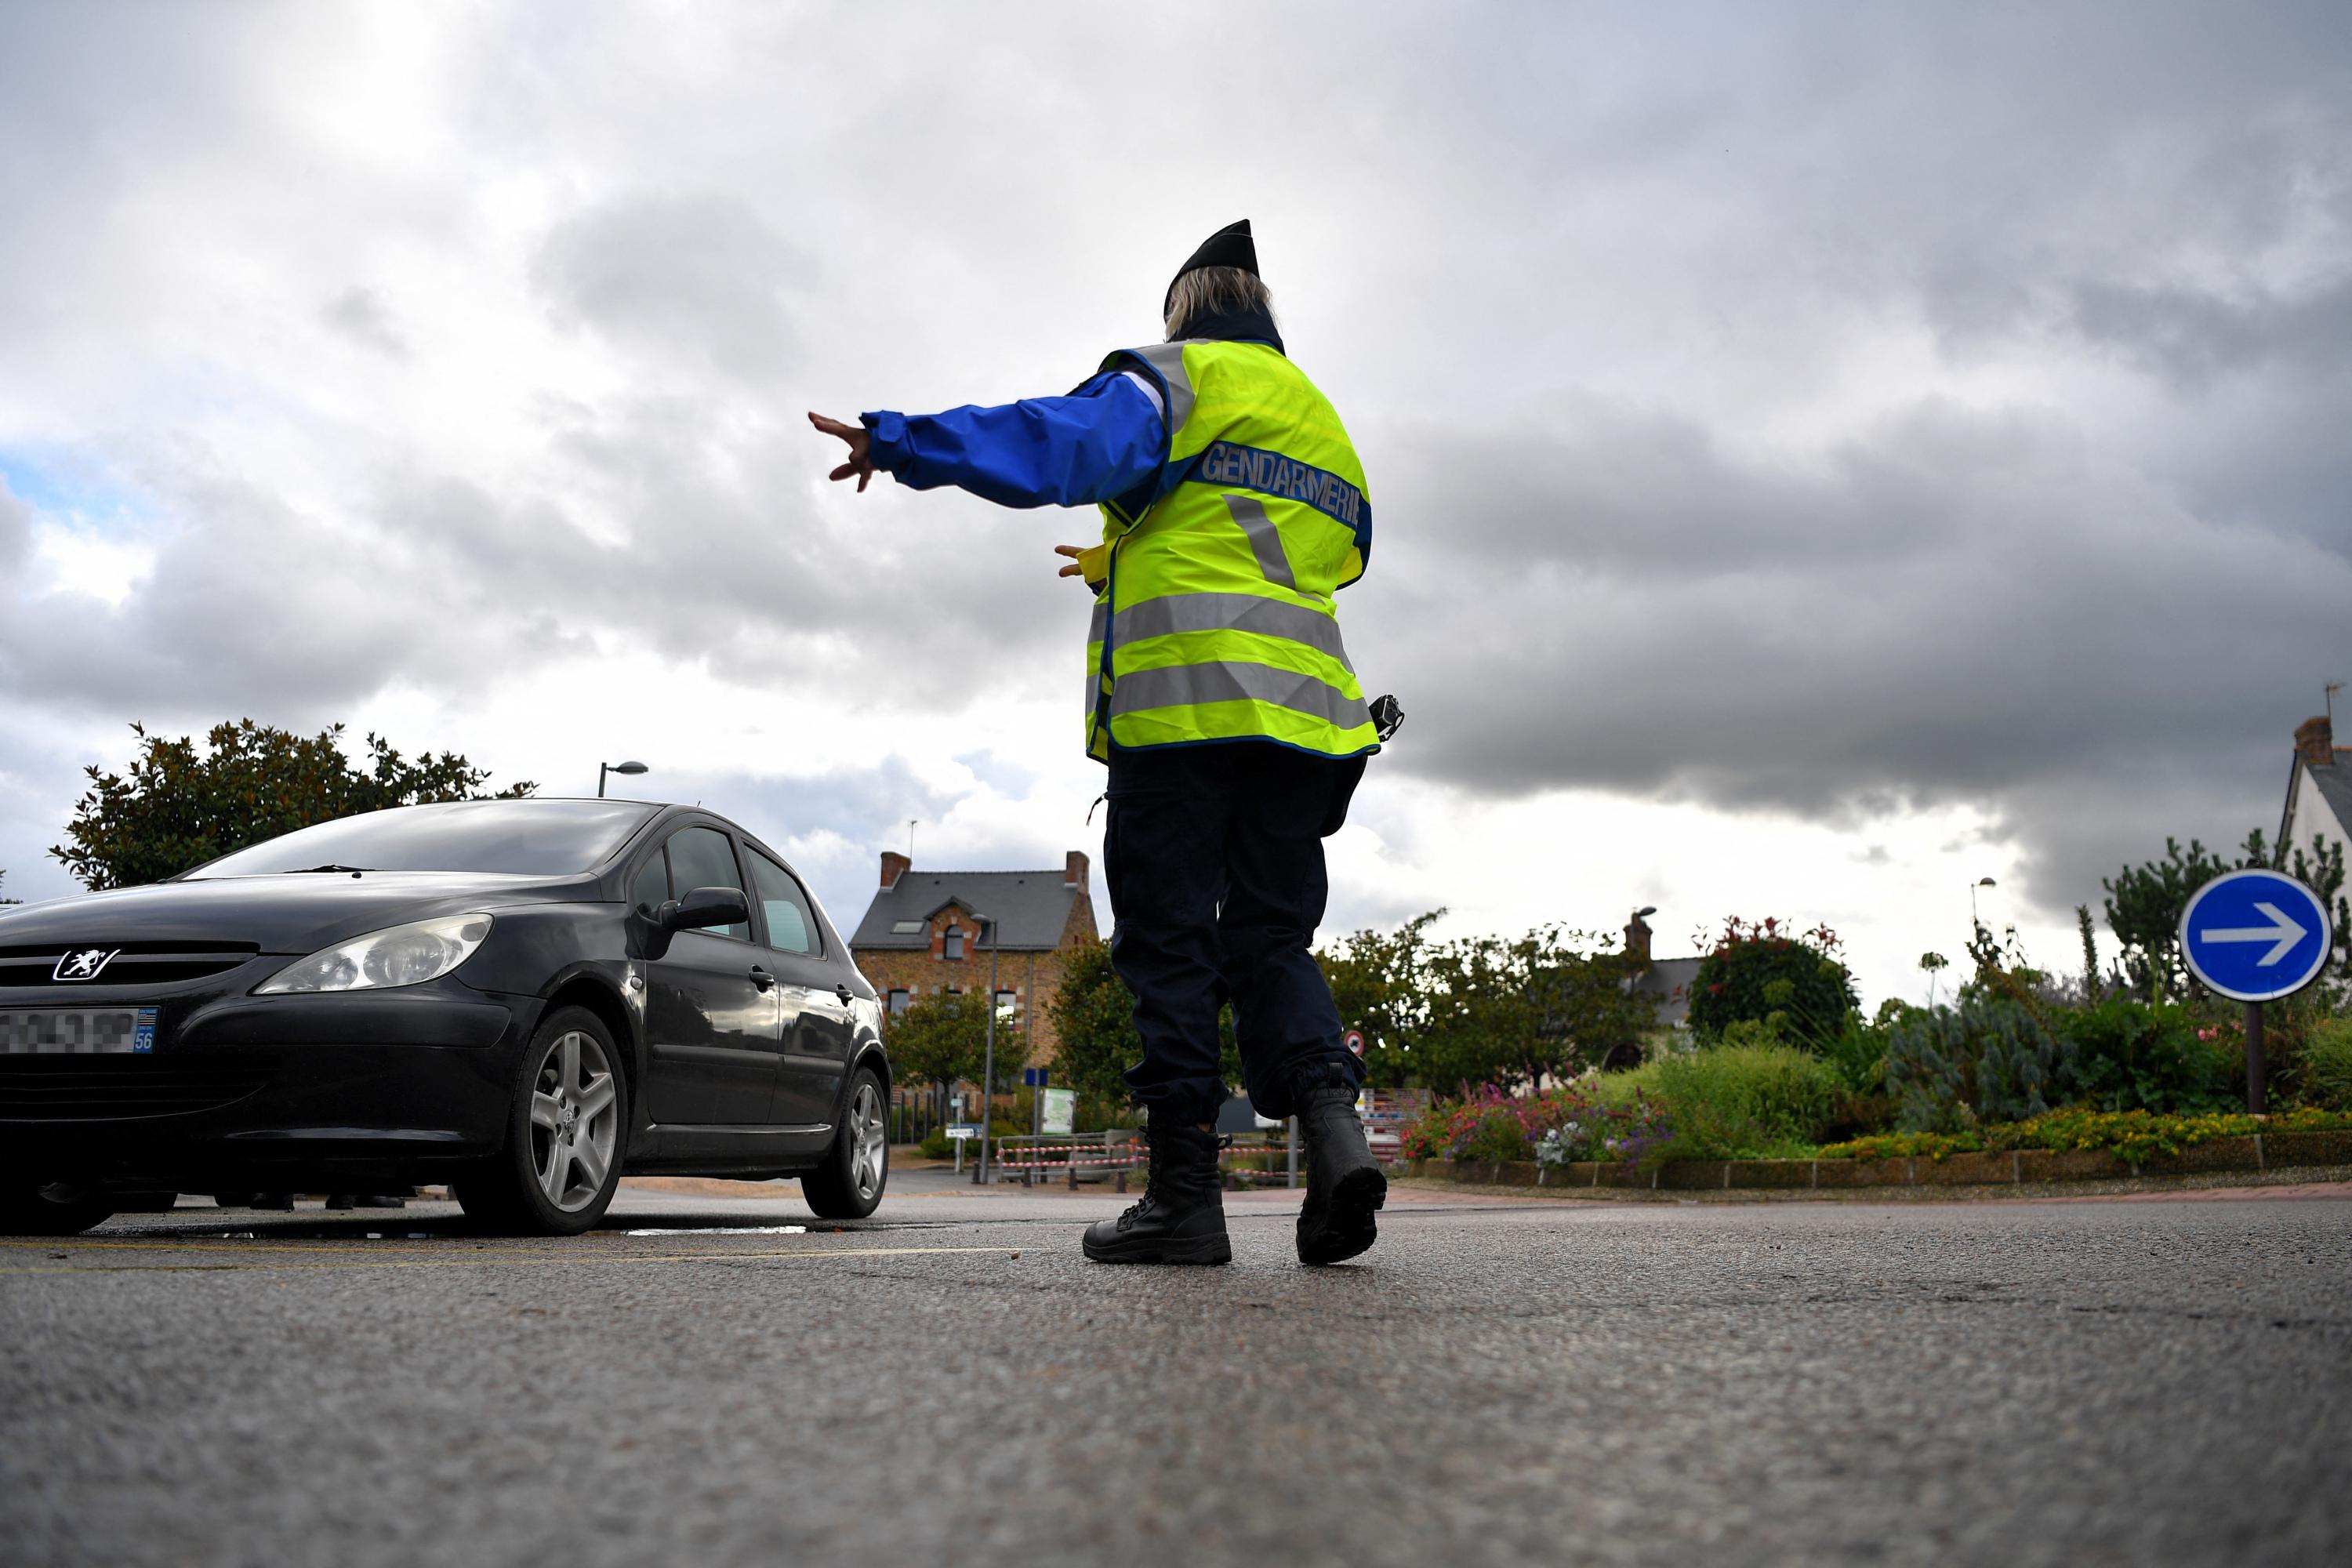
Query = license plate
x=78 y=1031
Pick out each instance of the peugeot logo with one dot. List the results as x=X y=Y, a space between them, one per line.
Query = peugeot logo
x=86 y=965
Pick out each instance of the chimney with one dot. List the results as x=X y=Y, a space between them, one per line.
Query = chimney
x=1074 y=872
x=1637 y=940
x=894 y=866
x=2315 y=743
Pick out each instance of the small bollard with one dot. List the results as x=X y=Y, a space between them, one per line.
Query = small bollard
x=1122 y=1183
x=1074 y=1176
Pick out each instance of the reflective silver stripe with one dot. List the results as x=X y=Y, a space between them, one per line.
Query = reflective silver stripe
x=1265 y=539
x=1101 y=621
x=1192 y=685
x=1168 y=359
x=1174 y=613
x=1158 y=404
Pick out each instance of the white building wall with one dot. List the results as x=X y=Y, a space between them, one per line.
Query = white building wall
x=2310 y=817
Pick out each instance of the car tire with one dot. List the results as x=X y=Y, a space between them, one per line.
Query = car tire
x=856 y=1169
x=565 y=1135
x=51 y=1208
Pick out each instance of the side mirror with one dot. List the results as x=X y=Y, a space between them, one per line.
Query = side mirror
x=706 y=907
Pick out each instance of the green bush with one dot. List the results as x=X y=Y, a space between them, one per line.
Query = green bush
x=1735 y=1102
x=1499 y=1136
x=940 y=1146
x=1988 y=1059
x=1857 y=1052
x=2136 y=1135
x=1757 y=972
x=2127 y=1056
x=2327 y=1064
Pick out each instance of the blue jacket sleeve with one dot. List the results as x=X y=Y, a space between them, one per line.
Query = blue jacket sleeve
x=1100 y=441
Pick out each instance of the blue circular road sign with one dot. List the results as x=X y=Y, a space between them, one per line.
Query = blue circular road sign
x=2255 y=935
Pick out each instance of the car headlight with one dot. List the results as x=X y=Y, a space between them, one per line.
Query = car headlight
x=401 y=956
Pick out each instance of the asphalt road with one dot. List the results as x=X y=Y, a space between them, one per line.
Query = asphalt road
x=1499 y=1382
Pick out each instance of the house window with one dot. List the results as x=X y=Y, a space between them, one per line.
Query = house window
x=954 y=944
x=898 y=1000
x=1008 y=1004
x=905 y=928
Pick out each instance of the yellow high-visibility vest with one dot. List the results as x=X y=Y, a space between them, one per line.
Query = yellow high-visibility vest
x=1213 y=616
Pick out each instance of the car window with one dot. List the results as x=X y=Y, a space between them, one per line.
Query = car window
x=509 y=837
x=651 y=889
x=792 y=928
x=702 y=858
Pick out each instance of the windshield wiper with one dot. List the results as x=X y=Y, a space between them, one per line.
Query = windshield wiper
x=355 y=870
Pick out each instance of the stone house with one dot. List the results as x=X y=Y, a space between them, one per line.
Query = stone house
x=924 y=933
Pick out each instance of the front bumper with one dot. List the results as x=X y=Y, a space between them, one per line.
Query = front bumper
x=259 y=1092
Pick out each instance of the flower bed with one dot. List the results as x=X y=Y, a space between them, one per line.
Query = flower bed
x=1571 y=1124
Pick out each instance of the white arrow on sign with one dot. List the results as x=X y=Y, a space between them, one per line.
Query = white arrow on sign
x=2282 y=933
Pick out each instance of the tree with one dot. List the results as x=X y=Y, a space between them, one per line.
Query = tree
x=1747 y=959
x=178 y=808
x=4 y=877
x=1545 y=1005
x=1379 y=983
x=943 y=1040
x=2092 y=989
x=939 y=1040
x=2145 y=903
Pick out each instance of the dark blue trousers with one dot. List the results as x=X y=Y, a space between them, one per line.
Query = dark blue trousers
x=1214 y=859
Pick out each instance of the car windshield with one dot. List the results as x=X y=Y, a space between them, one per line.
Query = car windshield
x=521 y=838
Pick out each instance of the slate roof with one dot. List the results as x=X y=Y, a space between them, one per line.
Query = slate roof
x=1670 y=980
x=2334 y=784
x=2335 y=788
x=1030 y=908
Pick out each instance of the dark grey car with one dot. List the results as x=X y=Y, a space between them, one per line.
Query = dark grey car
x=522 y=997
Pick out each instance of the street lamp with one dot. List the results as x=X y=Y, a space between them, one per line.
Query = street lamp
x=1979 y=882
x=631 y=769
x=988 y=1065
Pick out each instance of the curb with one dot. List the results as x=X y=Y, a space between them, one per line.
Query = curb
x=2262 y=1151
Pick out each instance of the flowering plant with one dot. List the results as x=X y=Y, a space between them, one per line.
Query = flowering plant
x=1573 y=1122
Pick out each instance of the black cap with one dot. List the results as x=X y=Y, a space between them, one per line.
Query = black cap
x=1229 y=246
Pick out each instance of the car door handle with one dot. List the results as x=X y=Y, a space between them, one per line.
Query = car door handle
x=844 y=993
x=762 y=978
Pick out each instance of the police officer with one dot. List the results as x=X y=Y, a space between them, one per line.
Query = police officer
x=1221 y=697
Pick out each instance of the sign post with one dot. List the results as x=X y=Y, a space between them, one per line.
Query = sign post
x=2254 y=936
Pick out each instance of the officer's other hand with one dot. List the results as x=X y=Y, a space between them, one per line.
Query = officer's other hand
x=861 y=448
x=1072 y=552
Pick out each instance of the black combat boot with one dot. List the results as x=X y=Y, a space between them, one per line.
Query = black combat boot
x=1182 y=1218
x=1344 y=1184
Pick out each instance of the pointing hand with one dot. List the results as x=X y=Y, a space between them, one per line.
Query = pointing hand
x=1073 y=569
x=861 y=443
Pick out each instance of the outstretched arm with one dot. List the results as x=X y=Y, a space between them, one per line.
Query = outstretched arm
x=1100 y=441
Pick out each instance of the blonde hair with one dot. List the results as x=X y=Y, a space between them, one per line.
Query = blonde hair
x=1206 y=290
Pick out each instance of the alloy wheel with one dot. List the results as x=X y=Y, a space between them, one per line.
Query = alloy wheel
x=574 y=1121
x=869 y=1143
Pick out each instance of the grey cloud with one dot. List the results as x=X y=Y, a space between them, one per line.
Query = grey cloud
x=1990 y=614
x=1612 y=586
x=2192 y=336
x=676 y=277
x=16 y=528
x=359 y=314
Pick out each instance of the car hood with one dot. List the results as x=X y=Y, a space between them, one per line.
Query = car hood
x=295 y=913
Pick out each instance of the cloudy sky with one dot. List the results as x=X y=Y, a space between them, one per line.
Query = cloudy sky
x=1823 y=454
